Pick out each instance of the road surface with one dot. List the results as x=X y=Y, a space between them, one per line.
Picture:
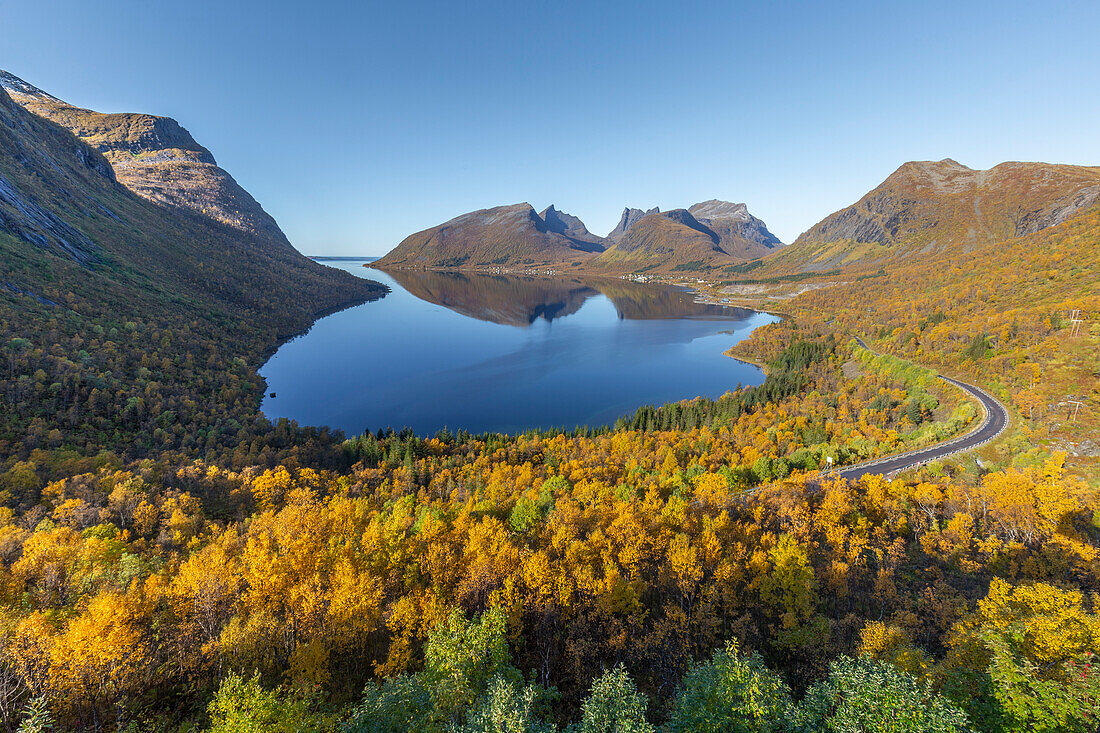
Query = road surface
x=995 y=422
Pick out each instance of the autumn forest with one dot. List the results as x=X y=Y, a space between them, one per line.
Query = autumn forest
x=172 y=560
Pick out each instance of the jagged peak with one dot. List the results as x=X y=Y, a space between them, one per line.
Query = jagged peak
x=560 y=221
x=629 y=217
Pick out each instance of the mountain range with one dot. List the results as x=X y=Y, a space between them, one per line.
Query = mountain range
x=919 y=209
x=135 y=197
x=516 y=237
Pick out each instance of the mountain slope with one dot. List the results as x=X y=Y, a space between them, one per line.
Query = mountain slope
x=130 y=305
x=923 y=206
x=676 y=241
x=740 y=233
x=504 y=236
x=155 y=158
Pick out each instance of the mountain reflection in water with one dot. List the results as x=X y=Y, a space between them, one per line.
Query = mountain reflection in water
x=489 y=353
x=518 y=300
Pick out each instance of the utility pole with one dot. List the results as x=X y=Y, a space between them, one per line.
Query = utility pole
x=1076 y=406
x=1075 y=322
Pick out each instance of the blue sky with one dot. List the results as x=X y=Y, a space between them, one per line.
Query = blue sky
x=356 y=124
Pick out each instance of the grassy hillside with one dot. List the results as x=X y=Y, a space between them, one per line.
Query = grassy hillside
x=657 y=242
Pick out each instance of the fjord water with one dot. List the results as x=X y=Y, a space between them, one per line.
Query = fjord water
x=505 y=354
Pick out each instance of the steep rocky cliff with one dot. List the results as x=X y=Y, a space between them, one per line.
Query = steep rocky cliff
x=740 y=233
x=74 y=237
x=570 y=226
x=629 y=218
x=155 y=158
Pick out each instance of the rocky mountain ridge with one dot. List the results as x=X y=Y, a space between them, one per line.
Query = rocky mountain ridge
x=570 y=226
x=70 y=232
x=518 y=237
x=156 y=158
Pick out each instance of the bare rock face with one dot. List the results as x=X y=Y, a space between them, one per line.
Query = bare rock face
x=629 y=218
x=735 y=227
x=156 y=158
x=26 y=212
x=1058 y=211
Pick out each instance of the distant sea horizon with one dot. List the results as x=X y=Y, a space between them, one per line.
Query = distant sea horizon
x=335 y=258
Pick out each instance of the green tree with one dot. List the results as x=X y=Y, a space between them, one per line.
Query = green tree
x=730 y=694
x=865 y=696
x=461 y=658
x=1036 y=701
x=525 y=515
x=244 y=706
x=36 y=717
x=614 y=705
x=396 y=705
x=507 y=708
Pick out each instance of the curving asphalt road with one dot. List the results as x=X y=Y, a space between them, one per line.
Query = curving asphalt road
x=996 y=420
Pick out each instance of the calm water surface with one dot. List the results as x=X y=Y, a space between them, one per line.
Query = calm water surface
x=505 y=354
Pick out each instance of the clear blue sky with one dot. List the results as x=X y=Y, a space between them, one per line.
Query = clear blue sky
x=356 y=124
